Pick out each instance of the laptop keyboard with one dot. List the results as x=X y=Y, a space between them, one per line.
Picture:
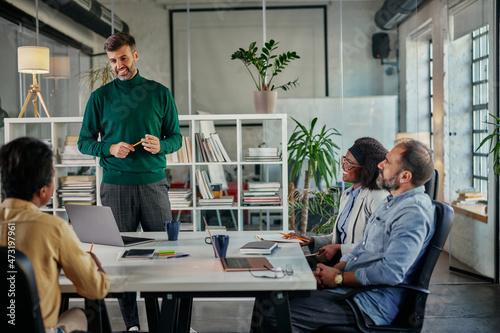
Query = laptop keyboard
x=237 y=263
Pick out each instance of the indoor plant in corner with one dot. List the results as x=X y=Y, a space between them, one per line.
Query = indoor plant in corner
x=268 y=66
x=319 y=152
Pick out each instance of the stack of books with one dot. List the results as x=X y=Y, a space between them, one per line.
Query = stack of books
x=183 y=155
x=469 y=196
x=210 y=148
x=69 y=154
x=78 y=190
x=266 y=154
x=180 y=197
x=262 y=193
x=222 y=201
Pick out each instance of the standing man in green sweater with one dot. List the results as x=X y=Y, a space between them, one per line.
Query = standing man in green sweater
x=126 y=111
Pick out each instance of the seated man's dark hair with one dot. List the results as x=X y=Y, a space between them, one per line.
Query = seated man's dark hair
x=374 y=153
x=417 y=159
x=26 y=166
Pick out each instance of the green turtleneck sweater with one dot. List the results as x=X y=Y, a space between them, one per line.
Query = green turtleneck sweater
x=125 y=111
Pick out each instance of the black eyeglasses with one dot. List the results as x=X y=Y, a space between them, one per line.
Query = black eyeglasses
x=279 y=273
x=344 y=162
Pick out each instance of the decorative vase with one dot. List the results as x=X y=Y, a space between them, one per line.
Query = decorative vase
x=265 y=101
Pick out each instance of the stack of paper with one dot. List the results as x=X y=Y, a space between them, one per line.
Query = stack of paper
x=180 y=197
x=266 y=154
x=262 y=193
x=69 y=154
x=469 y=196
x=78 y=190
x=222 y=201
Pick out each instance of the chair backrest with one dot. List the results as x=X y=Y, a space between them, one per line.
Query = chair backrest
x=443 y=218
x=20 y=293
x=412 y=313
x=432 y=186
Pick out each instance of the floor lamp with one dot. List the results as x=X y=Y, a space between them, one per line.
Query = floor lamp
x=33 y=60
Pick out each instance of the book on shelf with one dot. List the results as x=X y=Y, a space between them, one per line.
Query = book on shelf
x=69 y=154
x=180 y=197
x=183 y=155
x=260 y=185
x=210 y=148
x=220 y=146
x=222 y=201
x=469 y=196
x=263 y=151
x=77 y=190
x=204 y=184
x=263 y=154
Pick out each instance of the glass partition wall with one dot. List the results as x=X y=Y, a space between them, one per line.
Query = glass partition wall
x=365 y=69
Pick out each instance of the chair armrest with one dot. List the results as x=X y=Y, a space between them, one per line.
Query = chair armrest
x=355 y=291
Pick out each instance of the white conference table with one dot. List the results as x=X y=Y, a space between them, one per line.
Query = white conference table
x=178 y=280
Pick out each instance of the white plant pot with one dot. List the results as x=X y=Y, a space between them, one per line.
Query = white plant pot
x=265 y=101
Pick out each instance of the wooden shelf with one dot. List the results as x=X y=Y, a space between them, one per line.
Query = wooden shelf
x=476 y=211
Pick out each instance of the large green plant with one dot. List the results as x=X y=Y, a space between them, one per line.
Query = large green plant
x=318 y=152
x=267 y=64
x=494 y=146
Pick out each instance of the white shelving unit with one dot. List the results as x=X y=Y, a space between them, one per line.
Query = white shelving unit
x=56 y=130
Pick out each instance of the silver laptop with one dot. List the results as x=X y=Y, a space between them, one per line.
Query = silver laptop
x=97 y=224
x=238 y=264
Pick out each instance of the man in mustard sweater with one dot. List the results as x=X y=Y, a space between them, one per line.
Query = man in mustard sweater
x=50 y=244
x=126 y=111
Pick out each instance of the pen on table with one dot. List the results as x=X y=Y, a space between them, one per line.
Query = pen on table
x=177 y=256
x=91 y=247
x=135 y=144
x=301 y=238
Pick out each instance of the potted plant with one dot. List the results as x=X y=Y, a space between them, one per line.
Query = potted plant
x=97 y=76
x=319 y=152
x=267 y=66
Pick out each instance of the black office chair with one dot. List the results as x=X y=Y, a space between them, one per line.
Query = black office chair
x=19 y=286
x=411 y=316
x=432 y=186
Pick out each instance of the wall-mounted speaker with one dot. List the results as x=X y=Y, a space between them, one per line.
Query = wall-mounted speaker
x=380 y=45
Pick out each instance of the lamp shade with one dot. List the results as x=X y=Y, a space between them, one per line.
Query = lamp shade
x=59 y=68
x=33 y=59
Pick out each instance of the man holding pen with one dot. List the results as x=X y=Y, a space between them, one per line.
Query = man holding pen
x=138 y=124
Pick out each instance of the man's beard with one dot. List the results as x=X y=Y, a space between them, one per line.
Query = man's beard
x=130 y=74
x=388 y=184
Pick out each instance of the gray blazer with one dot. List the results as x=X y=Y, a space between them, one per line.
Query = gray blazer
x=366 y=203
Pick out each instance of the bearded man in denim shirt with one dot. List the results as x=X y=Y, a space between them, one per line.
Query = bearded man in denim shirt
x=396 y=236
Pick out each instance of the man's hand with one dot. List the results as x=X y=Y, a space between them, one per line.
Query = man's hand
x=152 y=144
x=327 y=252
x=305 y=240
x=325 y=276
x=121 y=150
x=97 y=262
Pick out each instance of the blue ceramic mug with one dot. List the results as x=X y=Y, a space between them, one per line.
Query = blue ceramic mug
x=221 y=243
x=172 y=228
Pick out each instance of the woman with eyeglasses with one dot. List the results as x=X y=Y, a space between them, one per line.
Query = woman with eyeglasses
x=357 y=203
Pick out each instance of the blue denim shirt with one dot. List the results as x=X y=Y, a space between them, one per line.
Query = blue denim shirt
x=395 y=238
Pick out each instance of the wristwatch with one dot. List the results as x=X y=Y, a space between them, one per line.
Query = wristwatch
x=339 y=278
